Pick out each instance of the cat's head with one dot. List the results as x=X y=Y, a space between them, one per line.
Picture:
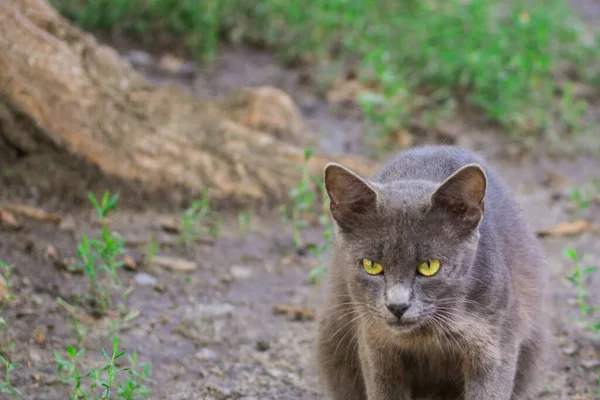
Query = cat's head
x=405 y=247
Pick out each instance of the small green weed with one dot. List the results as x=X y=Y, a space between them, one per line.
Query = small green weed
x=104 y=378
x=5 y=384
x=303 y=197
x=80 y=329
x=245 y=221
x=316 y=274
x=101 y=256
x=151 y=249
x=197 y=222
x=8 y=296
x=586 y=195
x=578 y=279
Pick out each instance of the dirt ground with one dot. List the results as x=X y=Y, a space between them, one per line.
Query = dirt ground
x=211 y=333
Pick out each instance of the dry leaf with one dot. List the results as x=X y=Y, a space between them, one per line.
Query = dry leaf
x=568 y=228
x=6 y=218
x=2 y=287
x=170 y=225
x=296 y=312
x=38 y=336
x=174 y=263
x=33 y=212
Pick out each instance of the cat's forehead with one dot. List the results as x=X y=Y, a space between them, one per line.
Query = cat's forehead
x=405 y=196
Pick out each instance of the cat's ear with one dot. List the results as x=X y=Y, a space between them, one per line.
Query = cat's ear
x=462 y=193
x=351 y=196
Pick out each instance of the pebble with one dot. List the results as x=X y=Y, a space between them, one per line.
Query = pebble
x=209 y=311
x=175 y=263
x=569 y=350
x=206 y=354
x=139 y=58
x=590 y=364
x=240 y=272
x=144 y=279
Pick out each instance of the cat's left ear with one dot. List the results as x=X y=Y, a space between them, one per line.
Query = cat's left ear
x=462 y=194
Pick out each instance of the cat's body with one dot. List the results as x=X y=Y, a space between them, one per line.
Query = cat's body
x=476 y=330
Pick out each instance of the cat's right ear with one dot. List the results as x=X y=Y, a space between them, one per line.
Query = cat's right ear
x=351 y=196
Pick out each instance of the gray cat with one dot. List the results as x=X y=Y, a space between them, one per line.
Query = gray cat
x=430 y=296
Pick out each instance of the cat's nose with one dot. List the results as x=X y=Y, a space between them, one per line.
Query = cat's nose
x=398 y=309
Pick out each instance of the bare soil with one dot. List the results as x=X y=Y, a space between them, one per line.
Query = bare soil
x=211 y=333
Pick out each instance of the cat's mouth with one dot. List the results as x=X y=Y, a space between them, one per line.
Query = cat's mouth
x=404 y=324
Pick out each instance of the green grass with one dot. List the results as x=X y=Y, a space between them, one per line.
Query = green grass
x=103 y=382
x=302 y=199
x=100 y=257
x=586 y=195
x=198 y=220
x=6 y=386
x=424 y=58
x=578 y=279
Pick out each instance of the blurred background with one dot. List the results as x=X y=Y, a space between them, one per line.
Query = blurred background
x=164 y=231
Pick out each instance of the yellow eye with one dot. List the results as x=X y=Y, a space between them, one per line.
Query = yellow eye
x=372 y=267
x=429 y=268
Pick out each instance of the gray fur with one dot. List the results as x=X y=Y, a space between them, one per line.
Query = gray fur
x=477 y=329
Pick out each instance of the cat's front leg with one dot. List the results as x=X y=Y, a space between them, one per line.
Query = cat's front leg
x=385 y=378
x=492 y=380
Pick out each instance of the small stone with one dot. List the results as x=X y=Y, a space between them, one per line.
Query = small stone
x=206 y=354
x=50 y=252
x=144 y=279
x=172 y=64
x=39 y=336
x=227 y=278
x=590 y=364
x=176 y=264
x=34 y=355
x=570 y=349
x=129 y=262
x=37 y=300
x=240 y=272
x=139 y=58
x=67 y=224
x=208 y=311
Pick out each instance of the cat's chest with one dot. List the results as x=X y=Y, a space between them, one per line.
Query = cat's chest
x=433 y=371
x=431 y=364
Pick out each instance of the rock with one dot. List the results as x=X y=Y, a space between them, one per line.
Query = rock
x=176 y=264
x=570 y=349
x=206 y=354
x=139 y=58
x=590 y=364
x=67 y=224
x=266 y=109
x=174 y=65
x=240 y=272
x=206 y=323
x=34 y=355
x=129 y=262
x=144 y=279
